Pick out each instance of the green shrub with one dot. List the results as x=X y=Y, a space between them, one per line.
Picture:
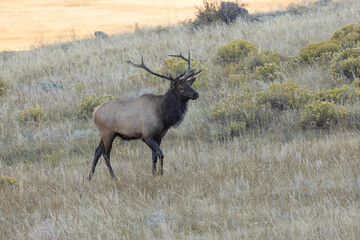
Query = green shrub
x=234 y=52
x=213 y=12
x=356 y=82
x=323 y=114
x=342 y=95
x=322 y=51
x=207 y=14
x=4 y=85
x=175 y=66
x=287 y=95
x=256 y=59
x=233 y=68
x=238 y=79
x=347 y=64
x=269 y=72
x=347 y=37
x=31 y=114
x=89 y=104
x=78 y=86
x=264 y=65
x=8 y=181
x=235 y=128
x=240 y=107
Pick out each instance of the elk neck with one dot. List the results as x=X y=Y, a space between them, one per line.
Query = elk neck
x=172 y=109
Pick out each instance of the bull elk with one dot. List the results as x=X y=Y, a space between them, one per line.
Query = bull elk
x=147 y=117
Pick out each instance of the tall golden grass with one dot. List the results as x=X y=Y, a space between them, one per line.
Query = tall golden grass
x=280 y=182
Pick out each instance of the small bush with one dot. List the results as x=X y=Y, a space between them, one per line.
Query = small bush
x=255 y=59
x=233 y=68
x=213 y=12
x=229 y=11
x=31 y=114
x=4 y=85
x=240 y=107
x=264 y=65
x=347 y=64
x=175 y=66
x=356 y=82
x=323 y=114
x=234 y=51
x=235 y=128
x=7 y=181
x=315 y=52
x=78 y=86
x=347 y=37
x=342 y=95
x=287 y=95
x=269 y=72
x=89 y=104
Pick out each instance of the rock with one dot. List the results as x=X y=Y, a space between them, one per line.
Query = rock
x=322 y=2
x=156 y=218
x=54 y=134
x=66 y=46
x=46 y=86
x=82 y=133
x=100 y=34
x=6 y=55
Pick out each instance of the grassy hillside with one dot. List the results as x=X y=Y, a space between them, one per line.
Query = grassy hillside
x=270 y=150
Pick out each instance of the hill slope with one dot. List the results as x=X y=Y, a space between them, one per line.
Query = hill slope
x=276 y=174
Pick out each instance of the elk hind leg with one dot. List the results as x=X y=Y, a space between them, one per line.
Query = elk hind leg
x=108 y=141
x=99 y=150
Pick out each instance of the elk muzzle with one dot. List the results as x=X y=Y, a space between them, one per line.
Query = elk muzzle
x=195 y=95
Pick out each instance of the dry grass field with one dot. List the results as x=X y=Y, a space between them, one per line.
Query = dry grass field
x=38 y=22
x=274 y=180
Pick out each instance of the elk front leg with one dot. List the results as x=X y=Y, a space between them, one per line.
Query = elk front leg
x=99 y=150
x=161 y=171
x=154 y=161
x=156 y=153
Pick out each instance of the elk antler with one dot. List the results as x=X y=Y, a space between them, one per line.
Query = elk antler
x=189 y=72
x=143 y=66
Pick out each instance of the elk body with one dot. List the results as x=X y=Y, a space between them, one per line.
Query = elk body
x=147 y=117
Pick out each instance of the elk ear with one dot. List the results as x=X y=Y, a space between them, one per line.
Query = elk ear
x=191 y=81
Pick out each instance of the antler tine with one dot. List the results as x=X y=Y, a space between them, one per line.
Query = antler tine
x=189 y=72
x=192 y=73
x=143 y=66
x=197 y=72
x=188 y=60
x=180 y=56
x=179 y=76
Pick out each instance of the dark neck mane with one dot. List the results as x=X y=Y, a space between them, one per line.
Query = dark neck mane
x=172 y=109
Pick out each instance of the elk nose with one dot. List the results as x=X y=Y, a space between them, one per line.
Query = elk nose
x=195 y=95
